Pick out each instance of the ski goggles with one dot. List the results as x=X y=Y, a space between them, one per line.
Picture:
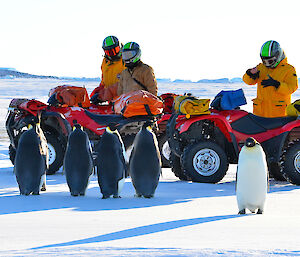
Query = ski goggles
x=269 y=62
x=113 y=51
x=127 y=55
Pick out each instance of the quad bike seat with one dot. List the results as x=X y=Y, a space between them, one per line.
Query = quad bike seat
x=252 y=124
x=106 y=119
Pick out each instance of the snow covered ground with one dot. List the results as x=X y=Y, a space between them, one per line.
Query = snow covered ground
x=183 y=219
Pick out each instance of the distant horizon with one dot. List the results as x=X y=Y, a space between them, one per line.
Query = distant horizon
x=204 y=80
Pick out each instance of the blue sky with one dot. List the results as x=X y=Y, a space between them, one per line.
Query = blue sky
x=191 y=39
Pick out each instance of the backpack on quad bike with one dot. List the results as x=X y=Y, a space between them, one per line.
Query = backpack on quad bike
x=57 y=121
x=66 y=95
x=203 y=146
x=138 y=103
x=191 y=105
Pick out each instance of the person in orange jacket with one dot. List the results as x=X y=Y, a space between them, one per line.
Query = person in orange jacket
x=112 y=66
x=137 y=75
x=276 y=80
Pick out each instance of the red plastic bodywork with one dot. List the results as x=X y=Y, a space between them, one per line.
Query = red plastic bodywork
x=223 y=120
x=74 y=113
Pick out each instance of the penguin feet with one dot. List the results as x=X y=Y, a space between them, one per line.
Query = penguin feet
x=36 y=193
x=260 y=211
x=148 y=196
x=137 y=195
x=74 y=194
x=242 y=212
x=82 y=194
x=105 y=196
x=116 y=196
x=43 y=188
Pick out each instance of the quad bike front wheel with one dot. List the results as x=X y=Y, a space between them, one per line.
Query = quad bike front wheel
x=204 y=162
x=275 y=171
x=291 y=163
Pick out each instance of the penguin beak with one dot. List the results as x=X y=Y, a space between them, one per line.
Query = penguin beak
x=109 y=130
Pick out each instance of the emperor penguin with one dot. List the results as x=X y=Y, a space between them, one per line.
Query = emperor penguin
x=78 y=161
x=110 y=162
x=31 y=161
x=251 y=178
x=145 y=162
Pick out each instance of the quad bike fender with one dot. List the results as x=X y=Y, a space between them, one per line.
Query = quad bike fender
x=57 y=121
x=181 y=124
x=273 y=153
x=219 y=121
x=291 y=126
x=33 y=106
x=162 y=123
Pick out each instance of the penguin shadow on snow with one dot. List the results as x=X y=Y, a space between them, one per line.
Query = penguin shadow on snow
x=142 y=230
x=167 y=193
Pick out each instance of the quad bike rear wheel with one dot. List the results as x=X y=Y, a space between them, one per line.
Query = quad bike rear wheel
x=291 y=163
x=275 y=171
x=204 y=162
x=56 y=150
x=176 y=167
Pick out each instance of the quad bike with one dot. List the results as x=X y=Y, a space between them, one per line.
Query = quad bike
x=203 y=146
x=57 y=123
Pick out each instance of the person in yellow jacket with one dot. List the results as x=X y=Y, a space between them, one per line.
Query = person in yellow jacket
x=276 y=80
x=137 y=75
x=112 y=66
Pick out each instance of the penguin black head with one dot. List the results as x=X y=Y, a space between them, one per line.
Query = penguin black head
x=113 y=126
x=148 y=123
x=250 y=142
x=77 y=125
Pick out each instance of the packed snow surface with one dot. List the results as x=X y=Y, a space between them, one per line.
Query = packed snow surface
x=183 y=219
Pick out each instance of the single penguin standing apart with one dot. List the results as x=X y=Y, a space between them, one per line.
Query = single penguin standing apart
x=31 y=161
x=252 y=178
x=110 y=162
x=78 y=161
x=145 y=162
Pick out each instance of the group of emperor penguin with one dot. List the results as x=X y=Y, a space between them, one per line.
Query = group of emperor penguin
x=113 y=165
x=111 y=162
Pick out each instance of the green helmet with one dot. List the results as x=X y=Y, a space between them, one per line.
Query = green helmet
x=271 y=54
x=111 y=47
x=131 y=53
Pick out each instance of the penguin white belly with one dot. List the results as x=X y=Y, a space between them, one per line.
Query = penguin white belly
x=252 y=183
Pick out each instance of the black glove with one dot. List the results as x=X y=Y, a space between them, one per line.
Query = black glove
x=94 y=99
x=251 y=75
x=270 y=82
